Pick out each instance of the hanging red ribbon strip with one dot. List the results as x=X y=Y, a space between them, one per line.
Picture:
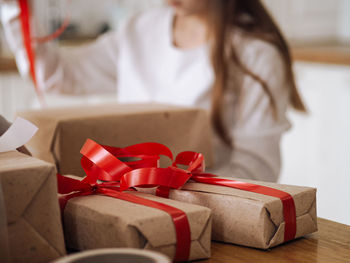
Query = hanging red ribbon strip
x=27 y=41
x=174 y=178
x=97 y=159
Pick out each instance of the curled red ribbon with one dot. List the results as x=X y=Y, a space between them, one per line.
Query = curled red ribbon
x=99 y=163
x=174 y=178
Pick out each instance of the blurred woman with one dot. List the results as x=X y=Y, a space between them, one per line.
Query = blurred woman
x=226 y=56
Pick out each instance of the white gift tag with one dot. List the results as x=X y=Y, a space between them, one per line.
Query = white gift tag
x=19 y=133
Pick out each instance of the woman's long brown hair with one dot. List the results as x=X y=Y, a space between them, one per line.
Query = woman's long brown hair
x=251 y=17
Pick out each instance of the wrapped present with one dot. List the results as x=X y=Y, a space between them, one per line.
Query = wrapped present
x=252 y=219
x=63 y=131
x=30 y=223
x=98 y=221
x=250 y=213
x=98 y=215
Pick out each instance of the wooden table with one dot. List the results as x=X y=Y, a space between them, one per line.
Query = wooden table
x=330 y=244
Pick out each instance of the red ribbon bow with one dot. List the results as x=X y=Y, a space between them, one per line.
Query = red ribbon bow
x=99 y=163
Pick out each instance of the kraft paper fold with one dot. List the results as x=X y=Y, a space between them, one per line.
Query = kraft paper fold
x=33 y=218
x=4 y=246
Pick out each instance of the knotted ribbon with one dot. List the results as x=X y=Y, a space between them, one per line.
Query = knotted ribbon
x=100 y=163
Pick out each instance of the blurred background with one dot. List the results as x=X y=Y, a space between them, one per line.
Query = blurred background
x=316 y=151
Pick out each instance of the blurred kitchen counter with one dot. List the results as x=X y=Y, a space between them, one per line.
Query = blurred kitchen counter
x=7 y=64
x=329 y=53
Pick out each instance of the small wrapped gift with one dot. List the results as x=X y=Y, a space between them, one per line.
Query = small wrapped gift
x=250 y=213
x=98 y=221
x=248 y=218
x=63 y=131
x=30 y=222
x=97 y=214
x=30 y=202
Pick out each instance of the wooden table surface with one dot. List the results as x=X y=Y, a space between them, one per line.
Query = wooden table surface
x=330 y=244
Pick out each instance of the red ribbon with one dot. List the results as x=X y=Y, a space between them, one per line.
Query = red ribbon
x=289 y=213
x=174 y=177
x=26 y=34
x=99 y=163
x=96 y=156
x=27 y=41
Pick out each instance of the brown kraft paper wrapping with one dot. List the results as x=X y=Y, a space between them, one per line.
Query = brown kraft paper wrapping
x=62 y=132
x=98 y=221
x=33 y=218
x=247 y=218
x=4 y=246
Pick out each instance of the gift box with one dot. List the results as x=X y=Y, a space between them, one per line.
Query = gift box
x=248 y=218
x=98 y=221
x=62 y=132
x=245 y=212
x=29 y=192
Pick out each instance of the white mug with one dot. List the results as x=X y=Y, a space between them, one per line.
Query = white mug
x=115 y=255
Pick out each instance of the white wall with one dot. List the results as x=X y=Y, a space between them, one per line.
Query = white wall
x=312 y=20
x=300 y=20
x=89 y=15
x=316 y=152
x=344 y=22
